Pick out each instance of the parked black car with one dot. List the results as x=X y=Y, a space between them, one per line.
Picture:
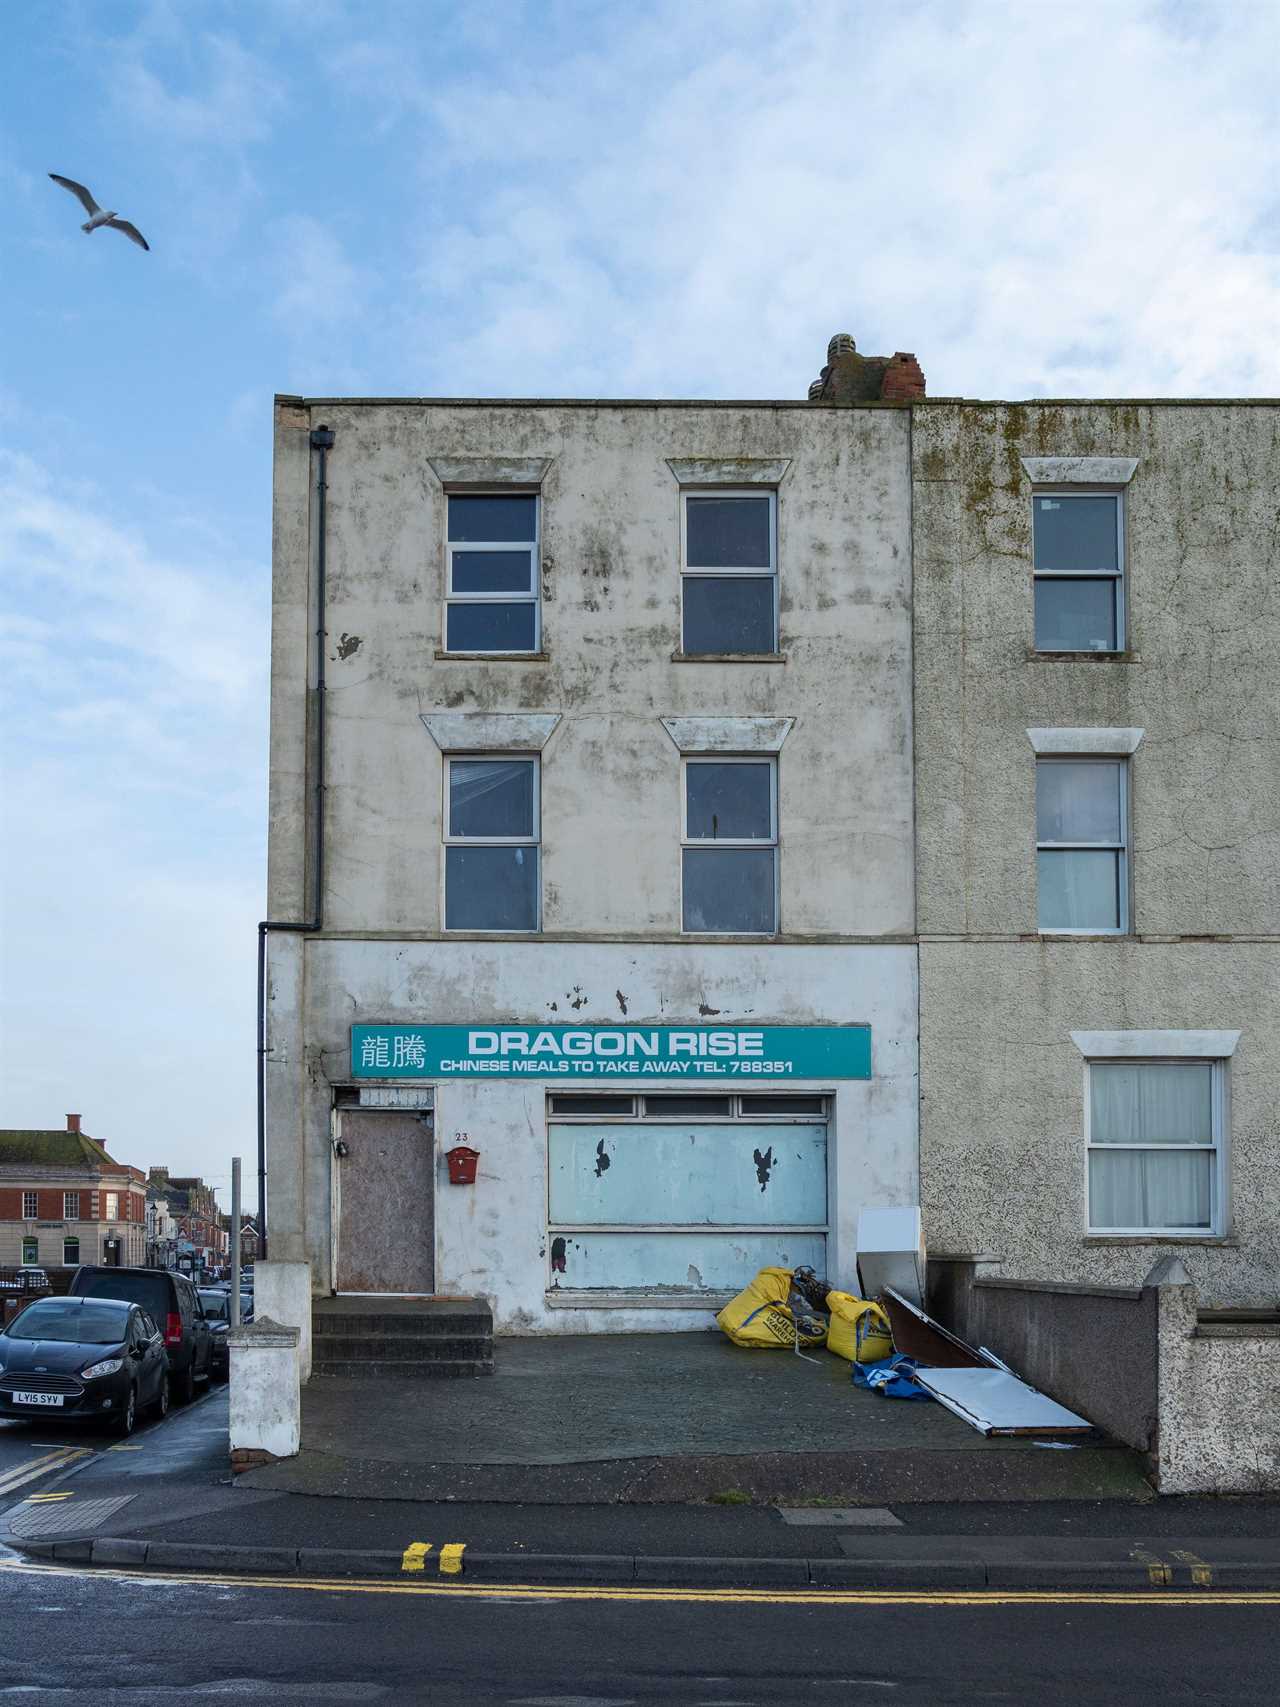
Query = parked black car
x=169 y=1299
x=87 y=1359
x=217 y=1308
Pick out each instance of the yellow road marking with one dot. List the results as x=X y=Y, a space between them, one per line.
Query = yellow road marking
x=46 y=1499
x=414 y=1554
x=451 y=1558
x=1201 y=1571
x=975 y=1598
x=34 y=1468
x=123 y=1448
x=1160 y=1574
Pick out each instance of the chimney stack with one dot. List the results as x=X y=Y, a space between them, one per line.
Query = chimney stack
x=853 y=378
x=73 y=1123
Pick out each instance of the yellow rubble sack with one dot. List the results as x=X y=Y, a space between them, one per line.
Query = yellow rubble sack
x=859 y=1329
x=760 y=1314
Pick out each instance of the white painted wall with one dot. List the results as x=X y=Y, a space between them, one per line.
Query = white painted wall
x=491 y=1238
x=611 y=786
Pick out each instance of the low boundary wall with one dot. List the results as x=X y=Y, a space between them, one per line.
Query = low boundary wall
x=1201 y=1397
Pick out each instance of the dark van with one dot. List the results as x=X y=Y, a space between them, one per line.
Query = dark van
x=173 y=1303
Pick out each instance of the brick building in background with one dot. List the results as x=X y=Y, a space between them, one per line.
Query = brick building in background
x=201 y=1239
x=64 y=1201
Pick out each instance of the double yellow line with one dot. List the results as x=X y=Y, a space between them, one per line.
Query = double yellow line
x=34 y=1468
x=516 y=1592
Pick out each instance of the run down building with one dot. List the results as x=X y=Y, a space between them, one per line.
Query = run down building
x=617 y=884
x=614 y=881
x=1097 y=647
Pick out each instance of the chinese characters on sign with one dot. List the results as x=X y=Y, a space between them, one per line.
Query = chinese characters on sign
x=406 y=1052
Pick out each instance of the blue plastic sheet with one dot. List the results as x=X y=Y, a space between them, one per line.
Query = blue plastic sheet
x=893 y=1378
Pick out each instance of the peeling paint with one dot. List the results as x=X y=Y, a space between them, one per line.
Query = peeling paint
x=348 y=645
x=764 y=1165
x=602 y=1159
x=621 y=1000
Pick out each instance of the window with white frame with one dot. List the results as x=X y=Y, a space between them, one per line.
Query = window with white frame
x=491 y=588
x=1078 y=546
x=30 y=1205
x=491 y=821
x=729 y=579
x=1082 y=844
x=71 y=1206
x=1155 y=1140
x=111 y=1212
x=729 y=856
x=30 y=1253
x=71 y=1252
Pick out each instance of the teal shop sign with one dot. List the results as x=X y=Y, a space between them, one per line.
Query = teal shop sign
x=691 y=1054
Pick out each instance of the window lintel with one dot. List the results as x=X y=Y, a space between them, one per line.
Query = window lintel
x=739 y=735
x=1156 y=1045
x=1079 y=470
x=1113 y=743
x=729 y=471
x=490 y=731
x=457 y=473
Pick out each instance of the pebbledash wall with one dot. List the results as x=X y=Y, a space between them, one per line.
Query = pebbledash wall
x=1011 y=1016
x=612 y=708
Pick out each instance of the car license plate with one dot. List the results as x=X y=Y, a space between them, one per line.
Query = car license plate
x=37 y=1398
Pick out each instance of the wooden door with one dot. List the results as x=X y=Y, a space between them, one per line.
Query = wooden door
x=386 y=1202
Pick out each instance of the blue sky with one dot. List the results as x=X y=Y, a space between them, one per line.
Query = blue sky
x=679 y=199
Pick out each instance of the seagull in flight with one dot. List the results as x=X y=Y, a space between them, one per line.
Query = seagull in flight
x=99 y=217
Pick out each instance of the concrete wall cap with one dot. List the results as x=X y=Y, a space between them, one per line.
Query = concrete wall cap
x=1169 y=1271
x=262 y=1335
x=1079 y=470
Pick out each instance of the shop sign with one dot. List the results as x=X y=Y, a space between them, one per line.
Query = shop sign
x=689 y=1054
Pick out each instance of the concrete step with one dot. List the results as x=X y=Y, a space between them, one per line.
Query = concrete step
x=397 y=1347
x=426 y=1369
x=337 y=1317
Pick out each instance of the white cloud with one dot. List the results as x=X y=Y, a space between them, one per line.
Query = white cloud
x=1031 y=198
x=230 y=101
x=316 y=286
x=135 y=711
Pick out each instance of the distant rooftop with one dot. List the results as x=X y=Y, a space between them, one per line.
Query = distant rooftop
x=52 y=1149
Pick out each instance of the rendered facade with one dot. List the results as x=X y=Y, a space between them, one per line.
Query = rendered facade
x=735 y=815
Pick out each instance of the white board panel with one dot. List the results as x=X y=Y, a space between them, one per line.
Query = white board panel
x=995 y=1402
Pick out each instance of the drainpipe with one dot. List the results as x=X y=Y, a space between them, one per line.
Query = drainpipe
x=322 y=444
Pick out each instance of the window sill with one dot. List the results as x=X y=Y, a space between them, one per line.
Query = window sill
x=1219 y=1239
x=562 y=1298
x=1084 y=936
x=1126 y=657
x=728 y=657
x=443 y=657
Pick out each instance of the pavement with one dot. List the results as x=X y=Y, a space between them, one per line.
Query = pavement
x=166 y=1502
x=627 y=1418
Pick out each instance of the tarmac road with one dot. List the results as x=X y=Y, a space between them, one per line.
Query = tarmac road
x=32 y=1452
x=67 y=1636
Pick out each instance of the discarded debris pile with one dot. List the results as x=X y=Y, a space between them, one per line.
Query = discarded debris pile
x=894 y=1347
